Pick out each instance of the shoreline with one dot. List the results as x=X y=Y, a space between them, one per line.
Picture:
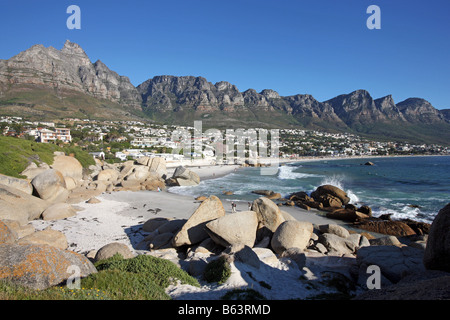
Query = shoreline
x=119 y=217
x=329 y=158
x=120 y=214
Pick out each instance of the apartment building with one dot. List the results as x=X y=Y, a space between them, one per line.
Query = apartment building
x=46 y=135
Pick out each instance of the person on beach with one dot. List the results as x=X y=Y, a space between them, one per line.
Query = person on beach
x=233 y=207
x=249 y=206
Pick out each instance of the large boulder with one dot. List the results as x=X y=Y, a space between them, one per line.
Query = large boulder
x=158 y=165
x=68 y=166
x=6 y=234
x=51 y=186
x=394 y=262
x=437 y=252
x=339 y=245
x=40 y=266
x=346 y=215
x=291 y=234
x=20 y=206
x=431 y=286
x=393 y=228
x=108 y=175
x=112 y=249
x=19 y=184
x=326 y=192
x=32 y=170
x=193 y=231
x=233 y=229
x=269 y=215
x=152 y=183
x=20 y=230
x=58 y=211
x=334 y=229
x=137 y=173
x=49 y=237
x=185 y=177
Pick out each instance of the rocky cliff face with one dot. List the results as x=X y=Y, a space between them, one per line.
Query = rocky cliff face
x=417 y=110
x=172 y=94
x=68 y=69
x=64 y=74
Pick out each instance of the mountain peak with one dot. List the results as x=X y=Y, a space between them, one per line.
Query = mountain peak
x=360 y=92
x=72 y=48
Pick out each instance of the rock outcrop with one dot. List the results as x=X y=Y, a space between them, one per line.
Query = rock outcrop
x=183 y=177
x=238 y=228
x=67 y=70
x=437 y=252
x=193 y=231
x=40 y=266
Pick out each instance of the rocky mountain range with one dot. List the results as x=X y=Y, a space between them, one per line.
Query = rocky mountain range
x=46 y=82
x=51 y=82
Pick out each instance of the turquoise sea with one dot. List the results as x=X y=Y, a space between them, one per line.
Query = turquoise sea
x=408 y=187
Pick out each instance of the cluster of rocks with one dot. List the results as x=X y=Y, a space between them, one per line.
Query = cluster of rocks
x=266 y=234
x=49 y=193
x=336 y=203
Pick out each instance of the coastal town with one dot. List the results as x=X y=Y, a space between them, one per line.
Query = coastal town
x=116 y=141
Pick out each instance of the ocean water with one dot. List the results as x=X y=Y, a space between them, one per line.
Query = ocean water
x=407 y=187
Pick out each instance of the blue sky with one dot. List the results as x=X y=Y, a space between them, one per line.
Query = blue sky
x=319 y=47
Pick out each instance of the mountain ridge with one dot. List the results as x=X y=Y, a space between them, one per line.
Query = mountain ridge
x=63 y=83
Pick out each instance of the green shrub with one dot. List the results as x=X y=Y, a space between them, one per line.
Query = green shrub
x=122 y=285
x=161 y=272
x=218 y=270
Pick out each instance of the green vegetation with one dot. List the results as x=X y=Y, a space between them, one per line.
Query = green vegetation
x=122 y=285
x=9 y=291
x=141 y=278
x=218 y=270
x=44 y=103
x=161 y=272
x=16 y=154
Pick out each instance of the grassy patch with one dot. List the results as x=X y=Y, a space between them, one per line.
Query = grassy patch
x=140 y=278
x=16 y=154
x=161 y=272
x=122 y=285
x=9 y=291
x=218 y=270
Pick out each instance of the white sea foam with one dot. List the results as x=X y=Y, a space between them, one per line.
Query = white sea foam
x=337 y=181
x=287 y=173
x=402 y=212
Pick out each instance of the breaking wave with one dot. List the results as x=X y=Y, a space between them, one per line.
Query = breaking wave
x=337 y=181
x=287 y=173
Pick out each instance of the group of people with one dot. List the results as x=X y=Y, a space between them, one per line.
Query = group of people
x=233 y=206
